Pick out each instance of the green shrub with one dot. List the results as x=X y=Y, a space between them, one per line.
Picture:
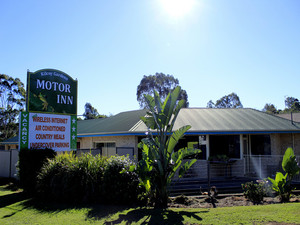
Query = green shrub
x=29 y=166
x=72 y=179
x=119 y=184
x=89 y=178
x=254 y=192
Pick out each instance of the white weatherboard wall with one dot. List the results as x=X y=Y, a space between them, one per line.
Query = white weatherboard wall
x=120 y=141
x=8 y=161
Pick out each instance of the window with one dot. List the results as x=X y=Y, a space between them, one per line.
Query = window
x=125 y=151
x=107 y=148
x=260 y=145
x=228 y=145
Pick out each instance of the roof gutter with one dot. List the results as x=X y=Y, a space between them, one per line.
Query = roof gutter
x=110 y=134
x=243 y=132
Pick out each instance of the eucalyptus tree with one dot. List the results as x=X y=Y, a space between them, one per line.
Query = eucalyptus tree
x=292 y=105
x=228 y=101
x=12 y=101
x=270 y=108
x=290 y=102
x=161 y=83
x=91 y=113
x=160 y=161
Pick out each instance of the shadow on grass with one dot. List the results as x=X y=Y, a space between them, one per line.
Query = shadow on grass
x=132 y=215
x=125 y=214
x=45 y=206
x=148 y=216
x=10 y=199
x=102 y=210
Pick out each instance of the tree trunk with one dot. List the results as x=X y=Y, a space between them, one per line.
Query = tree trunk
x=162 y=195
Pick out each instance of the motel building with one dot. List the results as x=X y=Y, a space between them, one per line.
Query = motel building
x=240 y=142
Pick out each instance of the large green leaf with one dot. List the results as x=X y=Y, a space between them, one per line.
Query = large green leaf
x=150 y=102
x=178 y=156
x=172 y=101
x=170 y=104
x=274 y=184
x=151 y=119
x=279 y=177
x=186 y=166
x=150 y=152
x=277 y=183
x=184 y=152
x=180 y=104
x=150 y=122
x=287 y=155
x=289 y=163
x=173 y=140
x=158 y=104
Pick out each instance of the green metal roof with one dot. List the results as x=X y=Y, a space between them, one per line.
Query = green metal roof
x=244 y=120
x=10 y=141
x=202 y=120
x=120 y=123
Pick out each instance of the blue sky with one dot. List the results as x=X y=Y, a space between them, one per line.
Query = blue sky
x=214 y=47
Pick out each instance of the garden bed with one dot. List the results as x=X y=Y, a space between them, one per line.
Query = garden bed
x=203 y=201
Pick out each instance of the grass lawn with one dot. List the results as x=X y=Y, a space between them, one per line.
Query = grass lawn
x=15 y=208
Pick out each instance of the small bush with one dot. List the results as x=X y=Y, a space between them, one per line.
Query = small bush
x=120 y=185
x=29 y=166
x=254 y=192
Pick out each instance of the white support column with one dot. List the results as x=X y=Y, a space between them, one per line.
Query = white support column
x=260 y=172
x=207 y=147
x=241 y=146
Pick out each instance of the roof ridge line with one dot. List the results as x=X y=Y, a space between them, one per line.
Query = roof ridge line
x=135 y=125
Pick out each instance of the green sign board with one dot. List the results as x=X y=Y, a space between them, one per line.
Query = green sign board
x=24 y=130
x=73 y=135
x=51 y=91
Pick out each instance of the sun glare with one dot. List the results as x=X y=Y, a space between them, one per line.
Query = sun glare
x=177 y=8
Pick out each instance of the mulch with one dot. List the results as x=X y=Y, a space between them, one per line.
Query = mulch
x=203 y=201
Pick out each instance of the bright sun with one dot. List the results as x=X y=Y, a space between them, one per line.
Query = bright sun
x=177 y=8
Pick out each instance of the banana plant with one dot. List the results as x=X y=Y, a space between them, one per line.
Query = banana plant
x=282 y=184
x=160 y=161
x=289 y=163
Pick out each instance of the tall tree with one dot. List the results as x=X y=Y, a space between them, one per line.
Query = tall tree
x=292 y=105
x=12 y=101
x=90 y=112
x=210 y=104
x=290 y=102
x=270 y=108
x=228 y=101
x=162 y=84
